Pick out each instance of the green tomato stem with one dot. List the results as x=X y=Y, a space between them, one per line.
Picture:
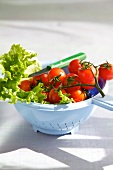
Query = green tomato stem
x=98 y=87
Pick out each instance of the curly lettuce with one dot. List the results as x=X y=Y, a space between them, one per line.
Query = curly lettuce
x=13 y=66
x=65 y=98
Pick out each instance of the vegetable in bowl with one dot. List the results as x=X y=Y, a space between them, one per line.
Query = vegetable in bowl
x=15 y=66
x=54 y=87
x=56 y=102
x=57 y=119
x=62 y=86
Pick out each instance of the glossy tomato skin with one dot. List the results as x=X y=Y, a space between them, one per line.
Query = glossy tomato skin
x=42 y=78
x=71 y=80
x=25 y=85
x=56 y=72
x=106 y=71
x=78 y=95
x=39 y=78
x=33 y=81
x=88 y=87
x=74 y=65
x=54 y=97
x=86 y=76
x=94 y=91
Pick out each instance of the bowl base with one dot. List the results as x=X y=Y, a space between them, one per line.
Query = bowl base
x=56 y=132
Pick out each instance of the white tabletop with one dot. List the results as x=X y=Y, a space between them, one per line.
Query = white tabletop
x=91 y=148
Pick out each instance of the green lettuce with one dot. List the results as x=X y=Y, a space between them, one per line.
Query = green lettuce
x=65 y=98
x=13 y=66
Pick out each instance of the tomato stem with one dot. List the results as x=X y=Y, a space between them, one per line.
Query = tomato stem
x=98 y=87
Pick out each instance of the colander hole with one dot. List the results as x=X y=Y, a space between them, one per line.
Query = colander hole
x=37 y=123
x=52 y=126
x=66 y=126
x=59 y=126
x=73 y=124
x=76 y=124
x=44 y=125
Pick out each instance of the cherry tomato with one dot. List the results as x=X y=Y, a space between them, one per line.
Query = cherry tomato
x=86 y=75
x=54 y=97
x=33 y=81
x=56 y=76
x=78 y=95
x=92 y=83
x=25 y=85
x=74 y=65
x=70 y=80
x=106 y=71
x=40 y=78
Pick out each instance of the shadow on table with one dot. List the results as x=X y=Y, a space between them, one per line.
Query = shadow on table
x=22 y=136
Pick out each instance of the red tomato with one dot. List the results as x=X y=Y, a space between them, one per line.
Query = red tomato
x=25 y=85
x=58 y=74
x=40 y=78
x=54 y=97
x=71 y=80
x=78 y=95
x=88 y=87
x=86 y=75
x=106 y=71
x=74 y=65
x=33 y=81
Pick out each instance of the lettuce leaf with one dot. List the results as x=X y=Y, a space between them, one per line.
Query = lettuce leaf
x=65 y=98
x=35 y=95
x=13 y=66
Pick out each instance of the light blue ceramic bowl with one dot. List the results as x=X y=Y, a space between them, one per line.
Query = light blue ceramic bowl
x=61 y=119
